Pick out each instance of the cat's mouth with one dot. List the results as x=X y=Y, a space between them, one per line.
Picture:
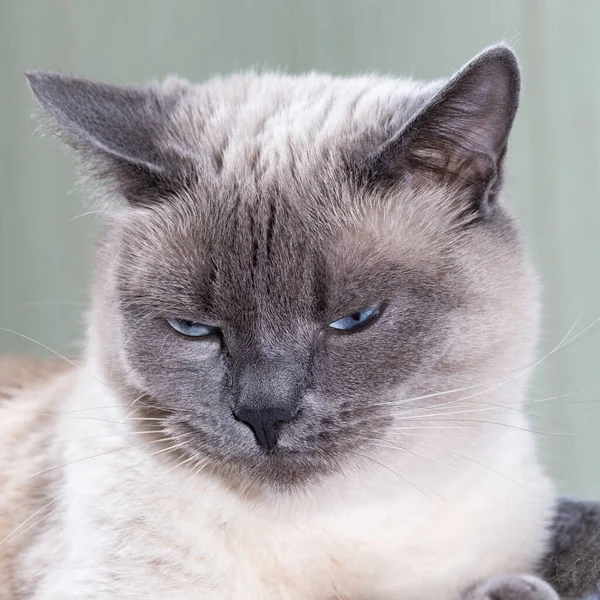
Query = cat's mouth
x=242 y=460
x=301 y=450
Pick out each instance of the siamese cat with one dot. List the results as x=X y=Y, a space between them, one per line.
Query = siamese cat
x=312 y=325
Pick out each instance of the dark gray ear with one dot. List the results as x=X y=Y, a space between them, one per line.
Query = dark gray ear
x=461 y=133
x=118 y=132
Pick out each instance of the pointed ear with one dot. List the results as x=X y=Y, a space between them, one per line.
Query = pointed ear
x=117 y=131
x=461 y=133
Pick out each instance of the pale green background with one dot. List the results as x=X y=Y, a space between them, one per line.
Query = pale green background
x=554 y=165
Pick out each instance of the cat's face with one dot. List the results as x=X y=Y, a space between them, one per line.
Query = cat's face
x=335 y=261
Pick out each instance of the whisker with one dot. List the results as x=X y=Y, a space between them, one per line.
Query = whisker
x=96 y=437
x=24 y=531
x=165 y=439
x=469 y=458
x=398 y=475
x=8 y=539
x=165 y=338
x=551 y=398
x=144 y=320
x=428 y=427
x=463 y=438
x=173 y=447
x=425 y=459
x=85 y=214
x=508 y=425
x=424 y=409
x=73 y=414
x=507 y=376
x=180 y=464
x=65 y=415
x=80 y=410
x=79 y=460
x=70 y=362
x=491 y=407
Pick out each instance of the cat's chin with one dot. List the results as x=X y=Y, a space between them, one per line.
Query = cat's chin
x=277 y=470
x=277 y=473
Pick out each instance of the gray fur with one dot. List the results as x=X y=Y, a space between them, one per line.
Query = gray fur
x=462 y=132
x=117 y=131
x=572 y=564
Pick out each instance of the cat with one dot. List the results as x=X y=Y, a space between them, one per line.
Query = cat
x=312 y=326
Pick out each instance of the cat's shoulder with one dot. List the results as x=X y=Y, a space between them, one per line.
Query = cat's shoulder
x=18 y=373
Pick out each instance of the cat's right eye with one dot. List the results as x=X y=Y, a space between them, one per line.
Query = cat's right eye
x=190 y=328
x=357 y=320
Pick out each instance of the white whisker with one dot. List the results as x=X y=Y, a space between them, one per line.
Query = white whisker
x=24 y=531
x=9 y=538
x=79 y=460
x=70 y=362
x=469 y=458
x=490 y=407
x=398 y=475
x=505 y=377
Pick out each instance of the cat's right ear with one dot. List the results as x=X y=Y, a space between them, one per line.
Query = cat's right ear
x=116 y=131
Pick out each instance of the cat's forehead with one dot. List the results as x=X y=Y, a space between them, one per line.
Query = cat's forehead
x=285 y=240
x=273 y=156
x=270 y=123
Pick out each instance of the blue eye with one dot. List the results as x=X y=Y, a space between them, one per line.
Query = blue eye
x=357 y=319
x=190 y=328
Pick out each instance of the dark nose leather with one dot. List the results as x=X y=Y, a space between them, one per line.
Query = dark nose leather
x=265 y=422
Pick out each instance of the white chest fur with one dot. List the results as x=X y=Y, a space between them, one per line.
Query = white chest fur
x=134 y=527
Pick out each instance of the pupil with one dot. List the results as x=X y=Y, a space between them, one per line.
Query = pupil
x=355 y=316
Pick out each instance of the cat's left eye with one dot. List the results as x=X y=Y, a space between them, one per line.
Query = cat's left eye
x=357 y=320
x=191 y=329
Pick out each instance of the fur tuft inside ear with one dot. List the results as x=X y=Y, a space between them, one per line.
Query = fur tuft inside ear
x=461 y=133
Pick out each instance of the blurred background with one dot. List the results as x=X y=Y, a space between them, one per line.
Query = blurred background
x=46 y=237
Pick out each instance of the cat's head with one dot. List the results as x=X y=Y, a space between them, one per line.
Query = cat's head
x=298 y=258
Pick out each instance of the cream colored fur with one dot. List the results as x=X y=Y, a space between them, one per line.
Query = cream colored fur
x=130 y=526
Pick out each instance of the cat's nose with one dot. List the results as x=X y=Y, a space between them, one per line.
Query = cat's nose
x=265 y=422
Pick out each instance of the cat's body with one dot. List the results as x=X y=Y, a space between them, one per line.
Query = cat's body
x=225 y=437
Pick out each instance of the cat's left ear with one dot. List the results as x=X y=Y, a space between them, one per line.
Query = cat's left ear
x=460 y=135
x=118 y=132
